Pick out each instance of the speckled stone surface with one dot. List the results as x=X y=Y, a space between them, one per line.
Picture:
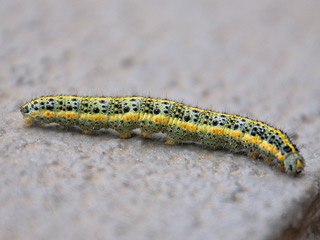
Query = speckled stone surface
x=245 y=57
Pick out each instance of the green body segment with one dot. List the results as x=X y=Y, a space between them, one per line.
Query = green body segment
x=180 y=123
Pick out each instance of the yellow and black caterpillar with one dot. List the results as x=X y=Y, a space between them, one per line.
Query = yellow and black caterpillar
x=180 y=123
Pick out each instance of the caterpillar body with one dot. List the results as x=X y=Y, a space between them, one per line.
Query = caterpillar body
x=180 y=123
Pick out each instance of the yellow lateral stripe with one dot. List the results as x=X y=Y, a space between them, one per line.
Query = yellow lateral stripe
x=249 y=138
x=236 y=134
x=173 y=102
x=67 y=114
x=48 y=114
x=280 y=156
x=269 y=147
x=187 y=126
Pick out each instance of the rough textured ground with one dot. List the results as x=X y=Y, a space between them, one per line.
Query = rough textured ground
x=250 y=57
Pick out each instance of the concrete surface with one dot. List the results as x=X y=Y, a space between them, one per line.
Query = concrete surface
x=250 y=57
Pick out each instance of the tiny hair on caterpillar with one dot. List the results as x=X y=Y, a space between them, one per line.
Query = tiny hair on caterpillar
x=179 y=122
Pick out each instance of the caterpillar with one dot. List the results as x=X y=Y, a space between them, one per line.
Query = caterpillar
x=179 y=122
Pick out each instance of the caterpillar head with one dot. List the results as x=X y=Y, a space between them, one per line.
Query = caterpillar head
x=294 y=163
x=26 y=111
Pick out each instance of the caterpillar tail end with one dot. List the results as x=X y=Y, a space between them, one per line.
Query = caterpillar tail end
x=294 y=164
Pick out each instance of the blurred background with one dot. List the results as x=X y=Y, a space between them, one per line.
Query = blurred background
x=256 y=58
x=224 y=55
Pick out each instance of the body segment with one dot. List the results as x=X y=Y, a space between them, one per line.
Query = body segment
x=180 y=123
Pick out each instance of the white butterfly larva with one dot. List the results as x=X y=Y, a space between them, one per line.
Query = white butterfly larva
x=179 y=122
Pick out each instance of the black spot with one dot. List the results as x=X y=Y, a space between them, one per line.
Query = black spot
x=102 y=101
x=36 y=108
x=85 y=104
x=42 y=103
x=176 y=115
x=132 y=100
x=156 y=111
x=26 y=110
x=51 y=99
x=214 y=123
x=35 y=102
x=254 y=131
x=271 y=139
x=60 y=102
x=69 y=108
x=135 y=109
x=49 y=107
x=165 y=111
x=287 y=149
x=187 y=118
x=236 y=126
x=116 y=112
x=96 y=110
x=74 y=99
x=195 y=111
x=104 y=111
x=126 y=109
x=206 y=117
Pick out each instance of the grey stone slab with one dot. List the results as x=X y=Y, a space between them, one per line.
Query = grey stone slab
x=245 y=57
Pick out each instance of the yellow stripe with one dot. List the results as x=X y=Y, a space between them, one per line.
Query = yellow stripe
x=68 y=115
x=48 y=114
x=269 y=147
x=280 y=156
x=252 y=139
